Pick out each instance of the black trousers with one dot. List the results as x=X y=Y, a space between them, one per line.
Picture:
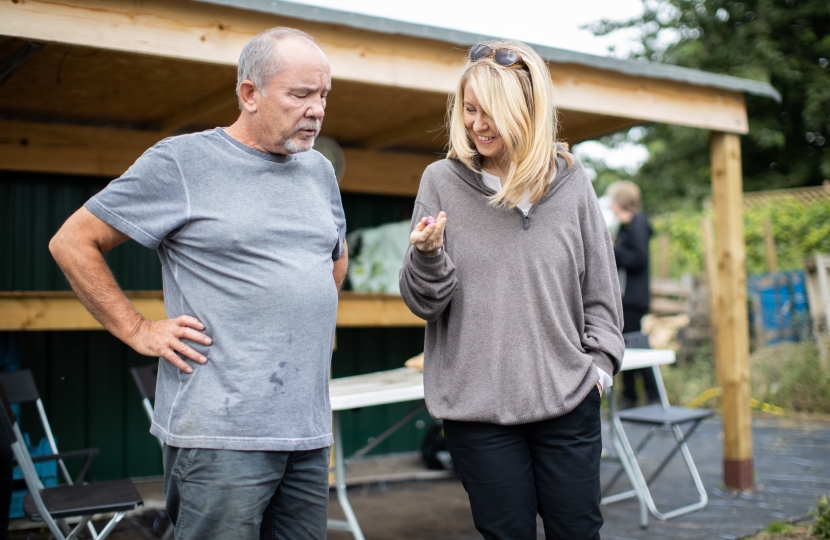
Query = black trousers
x=632 y=324
x=551 y=467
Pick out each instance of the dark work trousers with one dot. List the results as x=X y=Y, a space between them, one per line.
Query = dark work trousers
x=632 y=324
x=550 y=467
x=235 y=495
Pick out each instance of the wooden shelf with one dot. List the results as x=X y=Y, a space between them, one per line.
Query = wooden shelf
x=61 y=310
x=365 y=309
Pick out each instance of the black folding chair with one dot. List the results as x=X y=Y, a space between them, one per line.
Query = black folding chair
x=145 y=381
x=19 y=387
x=660 y=416
x=54 y=505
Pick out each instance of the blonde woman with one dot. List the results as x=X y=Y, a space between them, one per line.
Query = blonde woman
x=512 y=266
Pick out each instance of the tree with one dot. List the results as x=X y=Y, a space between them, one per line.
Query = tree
x=783 y=42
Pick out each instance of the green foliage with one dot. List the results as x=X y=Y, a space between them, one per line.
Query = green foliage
x=685 y=247
x=791 y=375
x=788 y=375
x=686 y=381
x=821 y=529
x=798 y=229
x=783 y=42
x=779 y=527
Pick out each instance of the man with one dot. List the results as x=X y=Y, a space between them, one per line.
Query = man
x=249 y=228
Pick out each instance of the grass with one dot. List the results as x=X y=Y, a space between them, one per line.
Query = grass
x=779 y=530
x=788 y=375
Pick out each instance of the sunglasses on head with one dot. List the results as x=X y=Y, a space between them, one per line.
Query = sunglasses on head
x=503 y=57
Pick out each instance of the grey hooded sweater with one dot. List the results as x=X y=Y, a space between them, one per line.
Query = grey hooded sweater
x=519 y=308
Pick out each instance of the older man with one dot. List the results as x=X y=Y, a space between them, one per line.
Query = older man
x=249 y=227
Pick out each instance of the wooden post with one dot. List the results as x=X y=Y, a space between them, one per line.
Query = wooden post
x=732 y=318
x=769 y=243
x=710 y=261
x=817 y=268
x=663 y=249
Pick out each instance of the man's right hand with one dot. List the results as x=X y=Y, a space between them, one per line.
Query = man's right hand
x=164 y=339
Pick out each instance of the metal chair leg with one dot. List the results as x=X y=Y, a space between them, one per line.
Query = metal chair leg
x=168 y=534
x=638 y=473
x=637 y=489
x=351 y=523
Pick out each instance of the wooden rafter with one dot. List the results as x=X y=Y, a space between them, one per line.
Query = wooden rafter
x=401 y=133
x=215 y=34
x=595 y=128
x=28 y=146
x=184 y=117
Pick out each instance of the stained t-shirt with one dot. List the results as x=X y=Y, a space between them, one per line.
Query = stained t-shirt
x=247 y=242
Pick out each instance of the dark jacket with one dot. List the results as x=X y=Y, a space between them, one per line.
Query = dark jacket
x=631 y=253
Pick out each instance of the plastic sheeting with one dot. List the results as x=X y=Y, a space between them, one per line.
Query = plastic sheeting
x=380 y=253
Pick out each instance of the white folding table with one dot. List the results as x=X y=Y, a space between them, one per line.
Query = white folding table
x=407 y=384
x=380 y=388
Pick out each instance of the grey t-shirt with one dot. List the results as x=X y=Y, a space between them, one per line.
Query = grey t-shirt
x=247 y=242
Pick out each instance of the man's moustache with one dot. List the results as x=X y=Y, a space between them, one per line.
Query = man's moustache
x=311 y=125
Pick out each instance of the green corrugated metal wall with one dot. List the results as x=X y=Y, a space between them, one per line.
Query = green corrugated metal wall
x=32 y=208
x=82 y=376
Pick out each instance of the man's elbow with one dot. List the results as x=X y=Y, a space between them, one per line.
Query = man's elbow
x=64 y=243
x=57 y=245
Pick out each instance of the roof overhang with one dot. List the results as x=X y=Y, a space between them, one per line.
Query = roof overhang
x=466 y=39
x=117 y=75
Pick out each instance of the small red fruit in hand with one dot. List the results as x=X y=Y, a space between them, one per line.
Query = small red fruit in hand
x=429 y=221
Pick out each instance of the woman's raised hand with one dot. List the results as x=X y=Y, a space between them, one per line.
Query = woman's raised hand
x=428 y=235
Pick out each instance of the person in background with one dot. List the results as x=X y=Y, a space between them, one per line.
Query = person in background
x=512 y=267
x=631 y=254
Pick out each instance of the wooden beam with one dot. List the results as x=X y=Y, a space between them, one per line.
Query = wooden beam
x=732 y=318
x=61 y=310
x=385 y=173
x=53 y=148
x=769 y=246
x=594 y=129
x=216 y=34
x=585 y=89
x=185 y=116
x=362 y=309
x=403 y=132
x=711 y=264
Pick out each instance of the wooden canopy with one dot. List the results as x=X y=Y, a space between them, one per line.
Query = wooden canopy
x=88 y=85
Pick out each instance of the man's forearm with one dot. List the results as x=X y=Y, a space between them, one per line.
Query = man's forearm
x=96 y=288
x=340 y=266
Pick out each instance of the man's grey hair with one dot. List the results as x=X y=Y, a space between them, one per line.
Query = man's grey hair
x=259 y=61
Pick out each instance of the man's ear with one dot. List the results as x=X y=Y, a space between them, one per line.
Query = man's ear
x=248 y=96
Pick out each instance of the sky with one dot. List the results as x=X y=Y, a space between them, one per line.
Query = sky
x=555 y=23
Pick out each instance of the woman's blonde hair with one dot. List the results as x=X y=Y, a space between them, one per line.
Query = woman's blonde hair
x=519 y=99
